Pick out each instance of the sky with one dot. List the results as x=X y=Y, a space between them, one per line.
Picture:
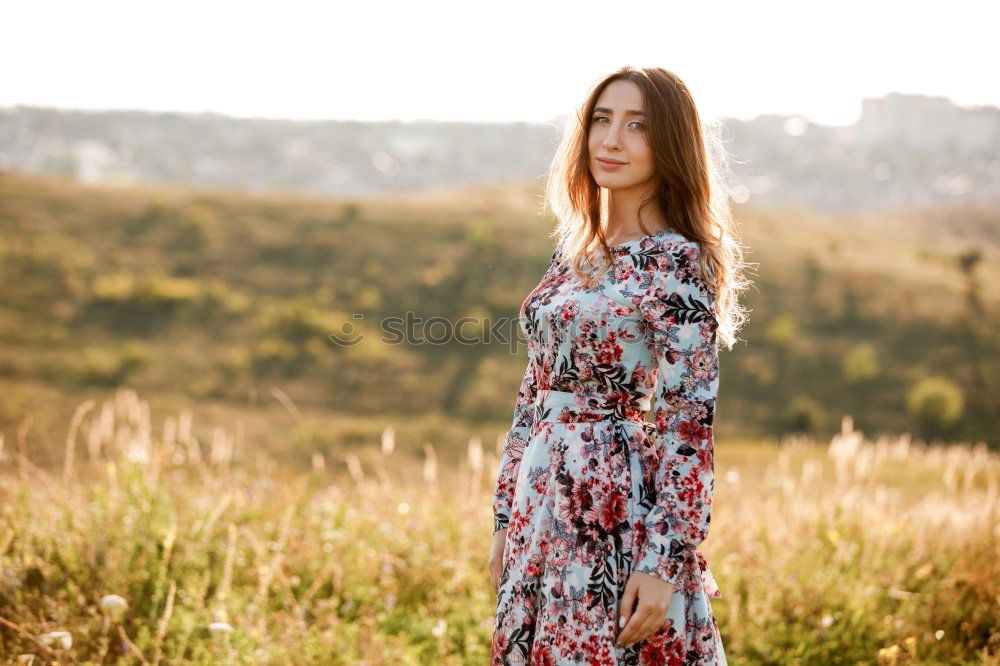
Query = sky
x=483 y=61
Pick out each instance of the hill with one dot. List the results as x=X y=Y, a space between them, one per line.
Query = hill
x=229 y=299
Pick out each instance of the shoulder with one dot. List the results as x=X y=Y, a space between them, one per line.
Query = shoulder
x=672 y=279
x=557 y=253
x=674 y=261
x=558 y=247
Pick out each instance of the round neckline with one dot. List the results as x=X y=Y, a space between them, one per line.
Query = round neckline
x=642 y=238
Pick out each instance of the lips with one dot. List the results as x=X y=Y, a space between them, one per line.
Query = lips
x=611 y=162
x=610 y=166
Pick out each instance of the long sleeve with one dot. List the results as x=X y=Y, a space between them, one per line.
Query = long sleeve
x=513 y=448
x=681 y=333
x=520 y=431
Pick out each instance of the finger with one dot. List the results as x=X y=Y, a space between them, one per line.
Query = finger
x=631 y=630
x=650 y=628
x=646 y=624
x=625 y=605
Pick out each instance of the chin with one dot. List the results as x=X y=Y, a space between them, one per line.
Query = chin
x=613 y=183
x=605 y=180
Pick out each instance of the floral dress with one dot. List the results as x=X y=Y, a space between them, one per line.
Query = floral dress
x=588 y=490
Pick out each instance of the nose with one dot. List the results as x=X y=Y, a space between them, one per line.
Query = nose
x=611 y=138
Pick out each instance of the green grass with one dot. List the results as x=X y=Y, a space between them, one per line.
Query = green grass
x=840 y=552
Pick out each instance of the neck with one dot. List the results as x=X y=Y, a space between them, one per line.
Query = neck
x=623 y=217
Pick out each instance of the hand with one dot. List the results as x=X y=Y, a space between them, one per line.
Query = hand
x=496 y=557
x=654 y=597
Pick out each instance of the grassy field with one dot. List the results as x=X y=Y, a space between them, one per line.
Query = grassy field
x=842 y=552
x=217 y=298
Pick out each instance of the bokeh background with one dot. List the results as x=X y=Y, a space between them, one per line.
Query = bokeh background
x=195 y=197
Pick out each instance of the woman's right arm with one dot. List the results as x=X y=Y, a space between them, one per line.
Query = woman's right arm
x=520 y=431
x=513 y=448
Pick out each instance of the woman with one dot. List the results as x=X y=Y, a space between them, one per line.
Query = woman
x=598 y=514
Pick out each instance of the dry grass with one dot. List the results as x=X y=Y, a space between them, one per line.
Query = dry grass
x=850 y=551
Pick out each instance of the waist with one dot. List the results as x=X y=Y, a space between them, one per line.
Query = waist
x=570 y=407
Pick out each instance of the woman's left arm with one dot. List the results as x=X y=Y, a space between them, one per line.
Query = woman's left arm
x=681 y=333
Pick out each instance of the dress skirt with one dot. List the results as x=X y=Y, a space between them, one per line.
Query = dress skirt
x=570 y=543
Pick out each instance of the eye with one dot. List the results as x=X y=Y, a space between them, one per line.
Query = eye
x=596 y=118
x=640 y=125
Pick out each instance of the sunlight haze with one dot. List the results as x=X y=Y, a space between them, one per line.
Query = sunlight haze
x=473 y=62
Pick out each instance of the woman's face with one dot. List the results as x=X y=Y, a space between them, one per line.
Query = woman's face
x=619 y=135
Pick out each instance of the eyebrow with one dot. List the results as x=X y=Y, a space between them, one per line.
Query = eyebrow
x=629 y=112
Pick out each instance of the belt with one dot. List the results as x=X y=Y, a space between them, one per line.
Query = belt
x=570 y=407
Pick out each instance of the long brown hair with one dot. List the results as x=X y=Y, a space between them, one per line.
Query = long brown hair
x=692 y=168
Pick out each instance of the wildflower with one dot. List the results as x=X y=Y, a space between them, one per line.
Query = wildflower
x=113 y=603
x=58 y=639
x=220 y=628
